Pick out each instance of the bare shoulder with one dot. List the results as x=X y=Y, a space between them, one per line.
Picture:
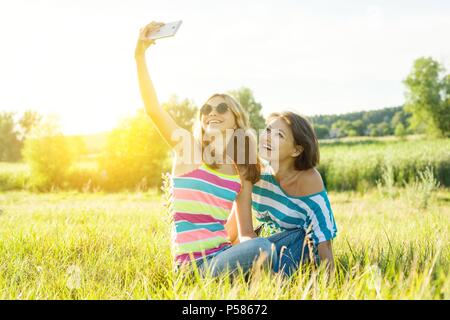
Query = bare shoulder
x=310 y=181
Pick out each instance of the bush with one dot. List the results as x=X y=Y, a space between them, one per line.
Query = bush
x=135 y=155
x=49 y=156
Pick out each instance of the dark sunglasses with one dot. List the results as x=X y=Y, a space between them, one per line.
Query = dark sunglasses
x=221 y=108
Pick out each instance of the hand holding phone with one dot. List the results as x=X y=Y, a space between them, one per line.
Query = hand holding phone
x=155 y=30
x=167 y=30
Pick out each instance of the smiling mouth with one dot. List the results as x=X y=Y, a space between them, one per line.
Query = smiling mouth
x=214 y=121
x=267 y=147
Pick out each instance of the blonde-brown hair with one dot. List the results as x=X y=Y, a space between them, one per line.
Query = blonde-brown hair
x=250 y=171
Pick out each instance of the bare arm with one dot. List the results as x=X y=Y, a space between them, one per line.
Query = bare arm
x=231 y=227
x=244 y=212
x=162 y=120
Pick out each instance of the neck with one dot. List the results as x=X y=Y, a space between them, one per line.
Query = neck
x=220 y=159
x=285 y=169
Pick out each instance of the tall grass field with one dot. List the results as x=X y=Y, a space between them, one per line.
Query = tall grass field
x=393 y=237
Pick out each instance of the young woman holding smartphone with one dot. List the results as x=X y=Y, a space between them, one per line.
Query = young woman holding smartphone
x=205 y=193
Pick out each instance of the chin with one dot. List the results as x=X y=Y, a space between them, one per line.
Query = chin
x=265 y=156
x=209 y=129
x=215 y=129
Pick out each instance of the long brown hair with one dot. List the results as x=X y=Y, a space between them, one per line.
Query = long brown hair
x=250 y=171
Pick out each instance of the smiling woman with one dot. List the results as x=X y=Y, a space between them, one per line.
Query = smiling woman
x=290 y=201
x=204 y=194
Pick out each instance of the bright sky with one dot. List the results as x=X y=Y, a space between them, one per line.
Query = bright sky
x=76 y=58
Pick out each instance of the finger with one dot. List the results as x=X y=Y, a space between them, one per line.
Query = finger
x=149 y=29
x=154 y=23
x=146 y=32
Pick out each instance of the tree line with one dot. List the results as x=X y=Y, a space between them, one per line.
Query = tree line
x=426 y=109
x=136 y=155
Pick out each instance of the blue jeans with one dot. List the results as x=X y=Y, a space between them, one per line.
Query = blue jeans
x=241 y=256
x=292 y=250
x=285 y=252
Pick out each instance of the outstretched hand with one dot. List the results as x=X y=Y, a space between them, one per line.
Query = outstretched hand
x=143 y=41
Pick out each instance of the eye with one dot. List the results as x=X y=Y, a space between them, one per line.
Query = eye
x=222 y=108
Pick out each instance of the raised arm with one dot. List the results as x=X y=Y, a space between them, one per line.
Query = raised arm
x=162 y=120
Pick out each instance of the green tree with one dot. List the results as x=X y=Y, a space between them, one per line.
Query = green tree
x=135 y=155
x=10 y=144
x=400 y=130
x=322 y=131
x=344 y=128
x=247 y=100
x=372 y=130
x=28 y=121
x=397 y=118
x=183 y=112
x=427 y=96
x=358 y=126
x=48 y=154
x=383 y=129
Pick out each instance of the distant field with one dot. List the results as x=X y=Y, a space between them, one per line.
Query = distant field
x=346 y=164
x=357 y=164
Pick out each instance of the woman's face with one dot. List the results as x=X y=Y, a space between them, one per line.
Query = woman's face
x=277 y=136
x=215 y=120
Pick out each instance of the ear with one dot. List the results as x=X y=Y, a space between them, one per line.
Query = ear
x=298 y=151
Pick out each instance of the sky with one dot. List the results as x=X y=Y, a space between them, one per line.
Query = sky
x=75 y=59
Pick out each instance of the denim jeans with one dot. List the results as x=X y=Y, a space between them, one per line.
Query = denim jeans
x=285 y=252
x=292 y=250
x=241 y=256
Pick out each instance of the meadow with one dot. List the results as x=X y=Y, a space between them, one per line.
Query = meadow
x=348 y=164
x=392 y=243
x=358 y=164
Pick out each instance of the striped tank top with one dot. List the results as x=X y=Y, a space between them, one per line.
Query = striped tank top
x=202 y=200
x=277 y=211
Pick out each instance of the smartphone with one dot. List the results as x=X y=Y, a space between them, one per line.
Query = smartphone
x=167 y=30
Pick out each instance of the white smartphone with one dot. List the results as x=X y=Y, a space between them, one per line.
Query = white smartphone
x=167 y=30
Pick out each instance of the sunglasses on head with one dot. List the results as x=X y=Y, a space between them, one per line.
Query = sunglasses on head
x=207 y=108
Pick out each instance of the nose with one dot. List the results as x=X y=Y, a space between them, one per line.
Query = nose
x=212 y=112
x=264 y=137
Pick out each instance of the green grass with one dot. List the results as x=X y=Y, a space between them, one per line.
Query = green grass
x=393 y=234
x=357 y=164
x=71 y=245
x=14 y=176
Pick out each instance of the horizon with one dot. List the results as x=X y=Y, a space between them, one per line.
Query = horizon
x=325 y=59
x=309 y=117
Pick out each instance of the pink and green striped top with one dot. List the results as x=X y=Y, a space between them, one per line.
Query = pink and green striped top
x=202 y=202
